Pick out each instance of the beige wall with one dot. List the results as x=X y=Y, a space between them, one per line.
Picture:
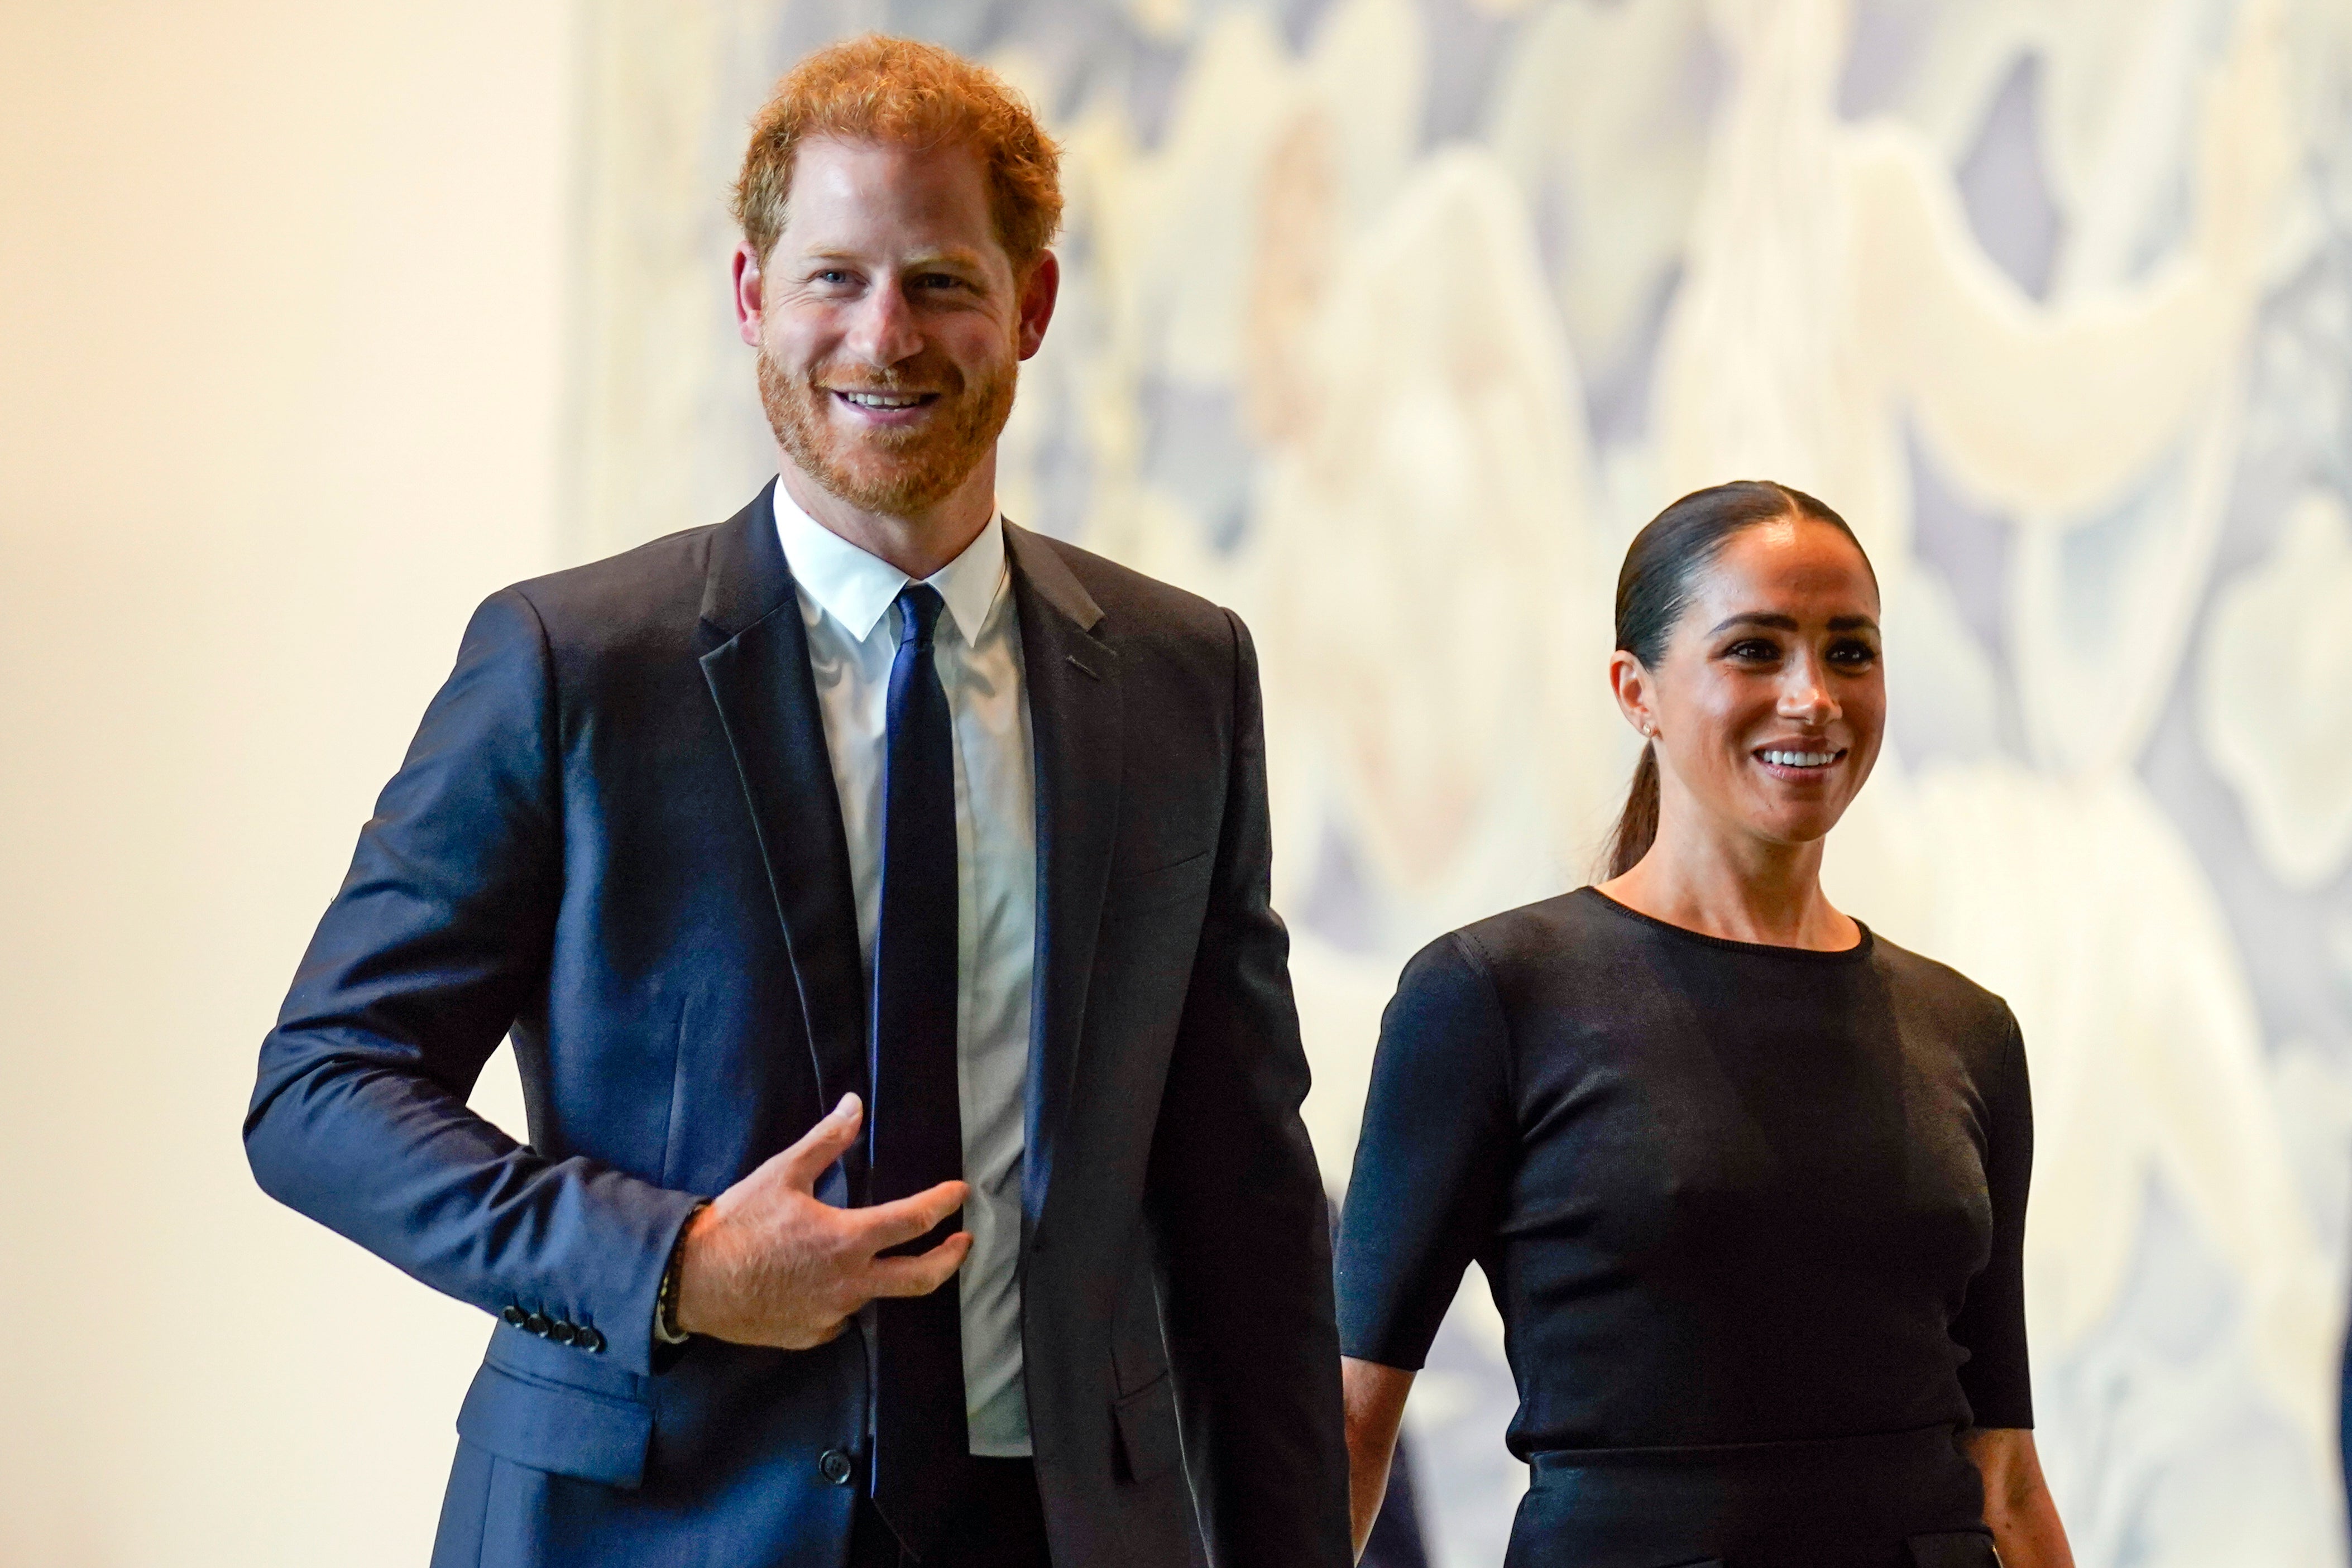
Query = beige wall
x=279 y=369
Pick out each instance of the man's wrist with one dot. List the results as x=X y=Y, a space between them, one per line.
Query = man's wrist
x=665 y=1329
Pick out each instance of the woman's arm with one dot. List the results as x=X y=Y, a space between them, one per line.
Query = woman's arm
x=1432 y=1164
x=1375 y=1404
x=2025 y=1528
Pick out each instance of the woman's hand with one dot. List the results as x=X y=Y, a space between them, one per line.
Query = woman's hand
x=1375 y=1406
x=2025 y=1528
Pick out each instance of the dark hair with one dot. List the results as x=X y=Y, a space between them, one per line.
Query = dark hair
x=1662 y=570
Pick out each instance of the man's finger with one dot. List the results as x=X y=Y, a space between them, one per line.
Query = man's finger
x=822 y=1145
x=920 y=1275
x=887 y=1225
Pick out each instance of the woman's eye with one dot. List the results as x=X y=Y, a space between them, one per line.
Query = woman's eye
x=1852 y=655
x=1752 y=650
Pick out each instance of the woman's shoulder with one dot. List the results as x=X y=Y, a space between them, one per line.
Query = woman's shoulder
x=1468 y=997
x=1921 y=982
x=1552 y=936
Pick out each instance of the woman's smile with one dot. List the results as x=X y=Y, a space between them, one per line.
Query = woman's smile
x=1800 y=762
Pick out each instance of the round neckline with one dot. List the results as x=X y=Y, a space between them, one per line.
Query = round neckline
x=1769 y=950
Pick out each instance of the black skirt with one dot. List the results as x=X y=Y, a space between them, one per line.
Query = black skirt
x=1906 y=1500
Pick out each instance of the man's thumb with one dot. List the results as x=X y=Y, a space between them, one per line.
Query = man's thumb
x=822 y=1145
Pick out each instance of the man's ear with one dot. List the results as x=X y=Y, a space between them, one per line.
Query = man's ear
x=747 y=293
x=1039 y=291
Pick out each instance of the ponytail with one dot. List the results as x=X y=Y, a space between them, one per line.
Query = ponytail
x=1637 y=825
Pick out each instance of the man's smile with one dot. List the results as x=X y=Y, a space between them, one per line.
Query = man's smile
x=884 y=408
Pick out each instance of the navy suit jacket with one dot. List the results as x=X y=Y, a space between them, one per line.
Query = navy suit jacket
x=615 y=840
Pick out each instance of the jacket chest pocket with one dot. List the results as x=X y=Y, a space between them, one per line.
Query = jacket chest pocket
x=1162 y=887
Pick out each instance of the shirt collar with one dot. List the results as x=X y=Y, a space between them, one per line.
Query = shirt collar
x=854 y=587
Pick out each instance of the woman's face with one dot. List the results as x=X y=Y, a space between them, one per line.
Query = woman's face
x=1769 y=701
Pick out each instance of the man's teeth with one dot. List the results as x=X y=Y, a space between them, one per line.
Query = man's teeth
x=1801 y=758
x=884 y=400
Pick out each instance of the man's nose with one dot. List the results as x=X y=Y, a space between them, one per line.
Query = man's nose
x=883 y=331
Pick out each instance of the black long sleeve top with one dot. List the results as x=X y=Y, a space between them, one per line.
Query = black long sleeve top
x=1722 y=1192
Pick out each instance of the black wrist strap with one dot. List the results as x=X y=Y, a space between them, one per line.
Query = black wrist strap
x=665 y=1329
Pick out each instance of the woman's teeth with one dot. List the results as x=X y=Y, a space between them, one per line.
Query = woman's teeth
x=1801 y=758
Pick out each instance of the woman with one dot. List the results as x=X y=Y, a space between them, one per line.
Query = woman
x=1747 y=1181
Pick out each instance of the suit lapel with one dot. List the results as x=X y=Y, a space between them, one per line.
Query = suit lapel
x=1073 y=680
x=757 y=667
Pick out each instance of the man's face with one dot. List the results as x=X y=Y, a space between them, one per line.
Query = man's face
x=889 y=322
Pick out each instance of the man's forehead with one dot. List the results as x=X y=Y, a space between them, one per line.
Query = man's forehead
x=835 y=177
x=870 y=202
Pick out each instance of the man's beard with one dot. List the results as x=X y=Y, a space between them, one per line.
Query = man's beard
x=900 y=473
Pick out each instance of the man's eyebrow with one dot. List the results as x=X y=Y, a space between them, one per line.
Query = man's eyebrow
x=954 y=255
x=1778 y=623
x=960 y=257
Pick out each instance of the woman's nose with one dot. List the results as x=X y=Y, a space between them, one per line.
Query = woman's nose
x=1805 y=695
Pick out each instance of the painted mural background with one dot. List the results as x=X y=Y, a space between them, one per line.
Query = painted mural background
x=1388 y=321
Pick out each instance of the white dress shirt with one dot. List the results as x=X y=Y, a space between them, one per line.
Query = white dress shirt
x=847 y=598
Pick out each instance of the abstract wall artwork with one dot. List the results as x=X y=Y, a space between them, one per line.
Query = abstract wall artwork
x=1387 y=322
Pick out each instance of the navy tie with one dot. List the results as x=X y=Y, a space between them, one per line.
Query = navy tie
x=921 y=1451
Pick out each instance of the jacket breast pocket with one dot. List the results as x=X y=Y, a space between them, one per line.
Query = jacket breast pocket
x=552 y=1427
x=1149 y=1443
x=1159 y=888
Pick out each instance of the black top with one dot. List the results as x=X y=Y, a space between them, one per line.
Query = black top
x=1722 y=1192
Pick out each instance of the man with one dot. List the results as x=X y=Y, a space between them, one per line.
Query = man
x=892 y=878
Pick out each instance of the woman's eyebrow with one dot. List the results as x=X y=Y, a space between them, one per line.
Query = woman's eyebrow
x=1756 y=618
x=1778 y=623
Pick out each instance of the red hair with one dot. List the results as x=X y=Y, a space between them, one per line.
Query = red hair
x=877 y=88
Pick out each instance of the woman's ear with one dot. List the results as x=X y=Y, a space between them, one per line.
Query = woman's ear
x=1635 y=693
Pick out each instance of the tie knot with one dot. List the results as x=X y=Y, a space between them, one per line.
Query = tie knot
x=919 y=614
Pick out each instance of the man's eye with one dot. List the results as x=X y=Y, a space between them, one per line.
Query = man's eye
x=940 y=280
x=831 y=277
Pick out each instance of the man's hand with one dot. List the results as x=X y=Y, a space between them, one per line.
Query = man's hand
x=767 y=1264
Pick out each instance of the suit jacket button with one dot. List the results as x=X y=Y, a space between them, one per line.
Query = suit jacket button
x=835 y=1467
x=539 y=1323
x=587 y=1339
x=513 y=1315
x=562 y=1331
